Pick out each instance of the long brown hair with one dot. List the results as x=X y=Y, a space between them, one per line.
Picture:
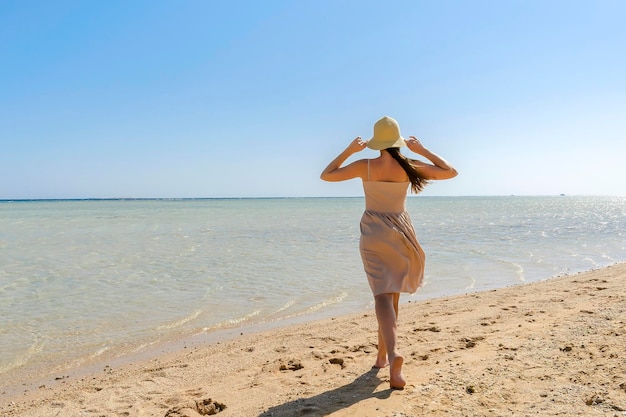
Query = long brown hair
x=418 y=182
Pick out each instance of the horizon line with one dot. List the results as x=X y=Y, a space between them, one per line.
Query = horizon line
x=7 y=200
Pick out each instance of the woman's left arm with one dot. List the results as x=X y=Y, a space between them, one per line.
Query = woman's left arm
x=441 y=170
x=335 y=172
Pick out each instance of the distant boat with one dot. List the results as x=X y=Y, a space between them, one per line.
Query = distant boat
x=562 y=195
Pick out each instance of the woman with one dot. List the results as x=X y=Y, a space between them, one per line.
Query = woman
x=392 y=258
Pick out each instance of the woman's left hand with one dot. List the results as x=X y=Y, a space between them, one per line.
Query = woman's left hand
x=336 y=172
x=415 y=145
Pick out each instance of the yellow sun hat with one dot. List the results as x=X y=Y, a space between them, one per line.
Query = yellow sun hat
x=386 y=135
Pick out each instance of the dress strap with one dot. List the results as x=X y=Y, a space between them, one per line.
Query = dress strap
x=368 y=169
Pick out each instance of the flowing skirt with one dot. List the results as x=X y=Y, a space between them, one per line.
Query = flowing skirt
x=392 y=257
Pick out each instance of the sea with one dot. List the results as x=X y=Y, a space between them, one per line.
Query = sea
x=83 y=281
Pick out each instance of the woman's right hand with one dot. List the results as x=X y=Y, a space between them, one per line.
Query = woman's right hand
x=357 y=145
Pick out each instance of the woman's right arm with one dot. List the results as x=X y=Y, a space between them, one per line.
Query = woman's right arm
x=440 y=170
x=335 y=172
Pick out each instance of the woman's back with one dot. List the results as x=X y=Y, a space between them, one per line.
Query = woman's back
x=385 y=168
x=386 y=185
x=385 y=197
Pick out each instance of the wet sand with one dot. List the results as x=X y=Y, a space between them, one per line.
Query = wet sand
x=551 y=348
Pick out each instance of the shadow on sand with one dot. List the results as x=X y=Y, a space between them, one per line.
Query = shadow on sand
x=361 y=388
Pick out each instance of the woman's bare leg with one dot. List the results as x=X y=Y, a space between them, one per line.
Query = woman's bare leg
x=386 y=305
x=381 y=358
x=396 y=300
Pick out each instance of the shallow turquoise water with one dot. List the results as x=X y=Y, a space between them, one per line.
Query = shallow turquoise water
x=84 y=279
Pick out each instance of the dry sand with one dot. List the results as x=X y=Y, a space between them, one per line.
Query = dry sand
x=552 y=348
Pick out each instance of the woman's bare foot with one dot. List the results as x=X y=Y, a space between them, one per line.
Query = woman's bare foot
x=381 y=362
x=396 y=379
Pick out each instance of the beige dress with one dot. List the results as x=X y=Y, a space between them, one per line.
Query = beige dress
x=392 y=257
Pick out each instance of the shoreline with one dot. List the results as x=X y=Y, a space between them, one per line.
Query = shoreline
x=49 y=374
x=32 y=376
x=546 y=347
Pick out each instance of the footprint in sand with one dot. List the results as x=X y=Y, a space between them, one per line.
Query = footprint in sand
x=434 y=329
x=291 y=365
x=206 y=407
x=470 y=342
x=337 y=361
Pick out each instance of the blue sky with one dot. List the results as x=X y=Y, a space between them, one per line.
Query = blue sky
x=248 y=98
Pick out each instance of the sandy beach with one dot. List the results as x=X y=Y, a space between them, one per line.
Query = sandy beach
x=551 y=348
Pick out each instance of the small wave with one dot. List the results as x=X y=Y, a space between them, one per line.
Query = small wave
x=180 y=322
x=232 y=322
x=328 y=302
x=608 y=257
x=143 y=346
x=24 y=358
x=519 y=269
x=591 y=261
x=466 y=275
x=285 y=306
x=244 y=318
x=314 y=308
x=472 y=283
x=100 y=351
